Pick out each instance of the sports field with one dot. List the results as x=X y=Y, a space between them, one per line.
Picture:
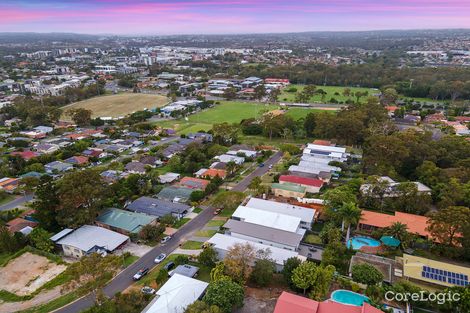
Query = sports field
x=117 y=105
x=331 y=92
x=230 y=112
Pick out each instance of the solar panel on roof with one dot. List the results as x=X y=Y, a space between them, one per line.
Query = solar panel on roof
x=445 y=276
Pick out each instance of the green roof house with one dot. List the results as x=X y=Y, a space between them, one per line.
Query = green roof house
x=125 y=222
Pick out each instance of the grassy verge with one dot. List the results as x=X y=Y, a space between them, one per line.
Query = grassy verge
x=206 y=233
x=191 y=245
x=197 y=210
x=213 y=223
x=54 y=304
x=129 y=260
x=181 y=222
x=11 y=297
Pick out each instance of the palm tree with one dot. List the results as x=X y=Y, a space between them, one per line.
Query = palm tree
x=351 y=214
x=397 y=230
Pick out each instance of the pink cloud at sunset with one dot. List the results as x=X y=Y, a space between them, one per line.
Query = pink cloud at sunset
x=232 y=16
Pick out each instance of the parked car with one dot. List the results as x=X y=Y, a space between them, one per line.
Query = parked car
x=270 y=166
x=165 y=239
x=261 y=164
x=147 y=290
x=141 y=273
x=169 y=266
x=160 y=258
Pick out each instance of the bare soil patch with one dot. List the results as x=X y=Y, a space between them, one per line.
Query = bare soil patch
x=28 y=272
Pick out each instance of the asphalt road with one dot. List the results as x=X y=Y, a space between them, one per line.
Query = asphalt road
x=17 y=202
x=259 y=171
x=124 y=279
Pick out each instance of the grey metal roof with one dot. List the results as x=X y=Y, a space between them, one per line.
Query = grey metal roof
x=157 y=207
x=185 y=270
x=88 y=237
x=61 y=234
x=171 y=192
x=263 y=232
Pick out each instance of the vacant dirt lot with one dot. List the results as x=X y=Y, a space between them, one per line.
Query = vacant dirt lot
x=117 y=105
x=28 y=272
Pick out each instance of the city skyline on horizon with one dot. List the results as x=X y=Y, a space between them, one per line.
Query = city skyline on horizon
x=165 y=17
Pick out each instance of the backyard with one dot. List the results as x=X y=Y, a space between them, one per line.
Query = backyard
x=331 y=92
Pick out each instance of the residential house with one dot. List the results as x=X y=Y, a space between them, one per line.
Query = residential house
x=306 y=215
x=111 y=176
x=175 y=194
x=311 y=185
x=57 y=166
x=9 y=185
x=291 y=303
x=150 y=160
x=159 y=208
x=392 y=185
x=262 y=234
x=185 y=270
x=46 y=148
x=25 y=155
x=94 y=153
x=212 y=173
x=21 y=225
x=77 y=160
x=222 y=244
x=89 y=239
x=124 y=222
x=168 y=178
x=205 y=137
x=435 y=272
x=176 y=295
x=135 y=167
x=226 y=158
x=288 y=190
x=194 y=183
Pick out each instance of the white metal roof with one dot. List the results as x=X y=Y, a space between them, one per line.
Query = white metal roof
x=306 y=215
x=326 y=148
x=176 y=294
x=88 y=236
x=267 y=218
x=224 y=242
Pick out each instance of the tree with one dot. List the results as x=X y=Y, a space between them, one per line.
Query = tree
x=80 y=194
x=346 y=92
x=336 y=254
x=303 y=276
x=330 y=233
x=255 y=184
x=321 y=285
x=230 y=93
x=447 y=224
x=47 y=203
x=289 y=266
x=263 y=271
x=81 y=116
x=389 y=96
x=309 y=124
x=93 y=271
x=260 y=92
x=366 y=274
x=350 y=214
x=218 y=272
x=197 y=195
x=168 y=220
x=40 y=239
x=335 y=198
x=208 y=257
x=162 y=277
x=375 y=191
x=225 y=294
x=398 y=231
x=202 y=307
x=238 y=262
x=152 y=232
x=10 y=243
x=273 y=95
x=225 y=133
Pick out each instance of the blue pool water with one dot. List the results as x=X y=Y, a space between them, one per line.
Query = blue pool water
x=348 y=297
x=358 y=242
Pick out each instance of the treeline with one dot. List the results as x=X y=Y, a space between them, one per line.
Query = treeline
x=45 y=111
x=438 y=83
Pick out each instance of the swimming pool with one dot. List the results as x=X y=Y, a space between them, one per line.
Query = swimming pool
x=348 y=297
x=358 y=242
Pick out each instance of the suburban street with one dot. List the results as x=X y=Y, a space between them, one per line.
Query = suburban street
x=124 y=279
x=17 y=202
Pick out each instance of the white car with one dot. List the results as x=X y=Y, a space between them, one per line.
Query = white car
x=165 y=239
x=147 y=290
x=160 y=258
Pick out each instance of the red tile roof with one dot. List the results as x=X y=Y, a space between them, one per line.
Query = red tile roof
x=26 y=155
x=194 y=183
x=290 y=303
x=416 y=223
x=213 y=172
x=322 y=142
x=17 y=224
x=301 y=180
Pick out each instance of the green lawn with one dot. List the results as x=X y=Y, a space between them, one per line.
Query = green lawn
x=213 y=223
x=191 y=245
x=197 y=210
x=54 y=304
x=181 y=222
x=227 y=111
x=206 y=233
x=330 y=93
x=312 y=239
x=7 y=199
x=129 y=260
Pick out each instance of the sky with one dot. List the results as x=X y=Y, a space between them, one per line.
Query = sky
x=154 y=17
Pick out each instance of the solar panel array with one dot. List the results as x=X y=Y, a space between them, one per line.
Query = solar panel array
x=445 y=276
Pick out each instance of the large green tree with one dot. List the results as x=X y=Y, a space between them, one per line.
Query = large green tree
x=225 y=294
